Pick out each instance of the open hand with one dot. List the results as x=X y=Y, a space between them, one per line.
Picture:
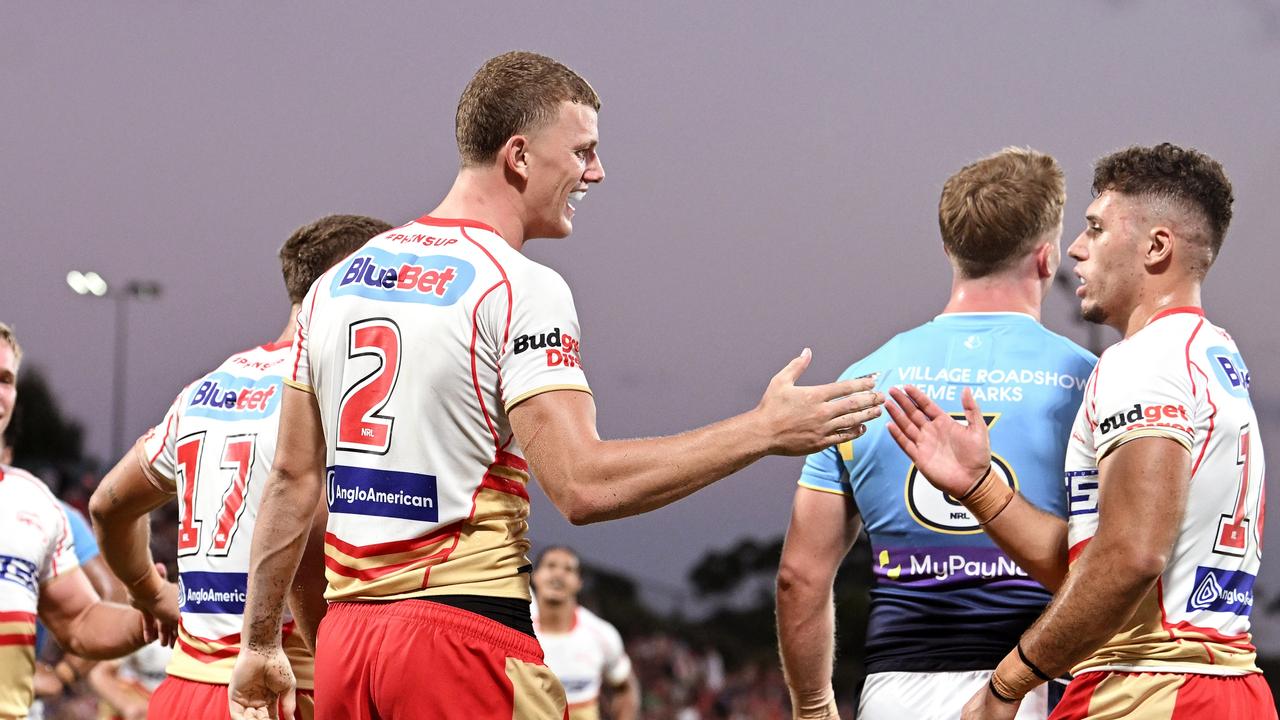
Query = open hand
x=803 y=420
x=952 y=456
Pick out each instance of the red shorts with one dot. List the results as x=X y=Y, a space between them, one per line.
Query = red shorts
x=190 y=700
x=419 y=660
x=1166 y=696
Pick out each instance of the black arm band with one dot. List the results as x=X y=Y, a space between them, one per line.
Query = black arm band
x=1037 y=671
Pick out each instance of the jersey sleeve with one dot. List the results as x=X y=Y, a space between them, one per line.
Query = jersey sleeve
x=543 y=348
x=299 y=374
x=617 y=665
x=155 y=449
x=61 y=557
x=1138 y=393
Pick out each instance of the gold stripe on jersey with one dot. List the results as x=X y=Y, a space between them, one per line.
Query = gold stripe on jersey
x=1148 y=643
x=1121 y=695
x=209 y=660
x=545 y=389
x=17 y=672
x=299 y=386
x=1148 y=432
x=481 y=555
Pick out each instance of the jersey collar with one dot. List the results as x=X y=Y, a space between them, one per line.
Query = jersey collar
x=456 y=222
x=1189 y=309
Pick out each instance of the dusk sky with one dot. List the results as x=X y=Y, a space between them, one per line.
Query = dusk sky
x=773 y=175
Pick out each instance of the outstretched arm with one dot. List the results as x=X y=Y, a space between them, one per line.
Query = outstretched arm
x=590 y=479
x=823 y=528
x=956 y=459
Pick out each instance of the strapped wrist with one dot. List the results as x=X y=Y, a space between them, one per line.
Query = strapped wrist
x=1013 y=678
x=987 y=498
x=817 y=703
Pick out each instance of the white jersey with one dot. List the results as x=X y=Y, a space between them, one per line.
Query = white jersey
x=1181 y=378
x=416 y=347
x=214 y=450
x=35 y=548
x=591 y=652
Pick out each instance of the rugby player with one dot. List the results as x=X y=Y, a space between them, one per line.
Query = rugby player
x=1001 y=225
x=581 y=648
x=39 y=574
x=1156 y=563
x=212 y=451
x=432 y=372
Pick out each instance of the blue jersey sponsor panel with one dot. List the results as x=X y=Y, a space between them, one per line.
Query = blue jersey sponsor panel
x=212 y=592
x=382 y=493
x=945 y=597
x=1221 y=590
x=223 y=396
x=21 y=572
x=403 y=277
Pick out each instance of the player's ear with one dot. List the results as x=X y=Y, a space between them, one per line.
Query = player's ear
x=1046 y=261
x=515 y=156
x=1160 y=242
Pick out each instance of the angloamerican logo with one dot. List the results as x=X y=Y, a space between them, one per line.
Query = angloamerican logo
x=1219 y=590
x=223 y=396
x=404 y=277
x=19 y=571
x=212 y=592
x=382 y=493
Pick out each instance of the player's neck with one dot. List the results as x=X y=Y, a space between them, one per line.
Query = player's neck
x=290 y=327
x=998 y=294
x=1155 y=301
x=479 y=194
x=556 y=617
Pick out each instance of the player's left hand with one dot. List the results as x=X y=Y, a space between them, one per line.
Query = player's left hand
x=157 y=600
x=985 y=706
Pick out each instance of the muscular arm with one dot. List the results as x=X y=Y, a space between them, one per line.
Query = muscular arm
x=1034 y=539
x=590 y=480
x=120 y=509
x=306 y=595
x=85 y=625
x=280 y=538
x=823 y=528
x=1141 y=501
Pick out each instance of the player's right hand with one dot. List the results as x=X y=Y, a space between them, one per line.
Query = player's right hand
x=262 y=685
x=951 y=456
x=803 y=420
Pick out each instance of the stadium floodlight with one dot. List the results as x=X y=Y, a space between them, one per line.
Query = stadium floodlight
x=87 y=283
x=91 y=283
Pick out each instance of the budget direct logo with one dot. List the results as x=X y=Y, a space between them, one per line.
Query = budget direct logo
x=562 y=349
x=223 y=396
x=1145 y=416
x=1219 y=590
x=404 y=277
x=382 y=493
x=212 y=592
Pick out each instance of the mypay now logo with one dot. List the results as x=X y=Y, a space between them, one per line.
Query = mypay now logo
x=403 y=277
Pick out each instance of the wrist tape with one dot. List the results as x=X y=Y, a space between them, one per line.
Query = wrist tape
x=987 y=498
x=1013 y=678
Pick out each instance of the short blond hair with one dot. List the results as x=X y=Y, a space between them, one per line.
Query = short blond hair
x=992 y=211
x=6 y=335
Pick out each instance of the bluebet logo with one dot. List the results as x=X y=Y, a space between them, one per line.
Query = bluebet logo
x=382 y=493
x=212 y=592
x=1230 y=369
x=19 y=571
x=1219 y=590
x=222 y=396
x=404 y=277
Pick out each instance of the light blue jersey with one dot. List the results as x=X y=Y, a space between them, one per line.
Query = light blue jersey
x=945 y=597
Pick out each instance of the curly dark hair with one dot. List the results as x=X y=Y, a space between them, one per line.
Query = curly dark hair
x=1185 y=176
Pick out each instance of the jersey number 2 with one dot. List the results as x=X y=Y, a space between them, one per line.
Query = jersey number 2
x=361 y=426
